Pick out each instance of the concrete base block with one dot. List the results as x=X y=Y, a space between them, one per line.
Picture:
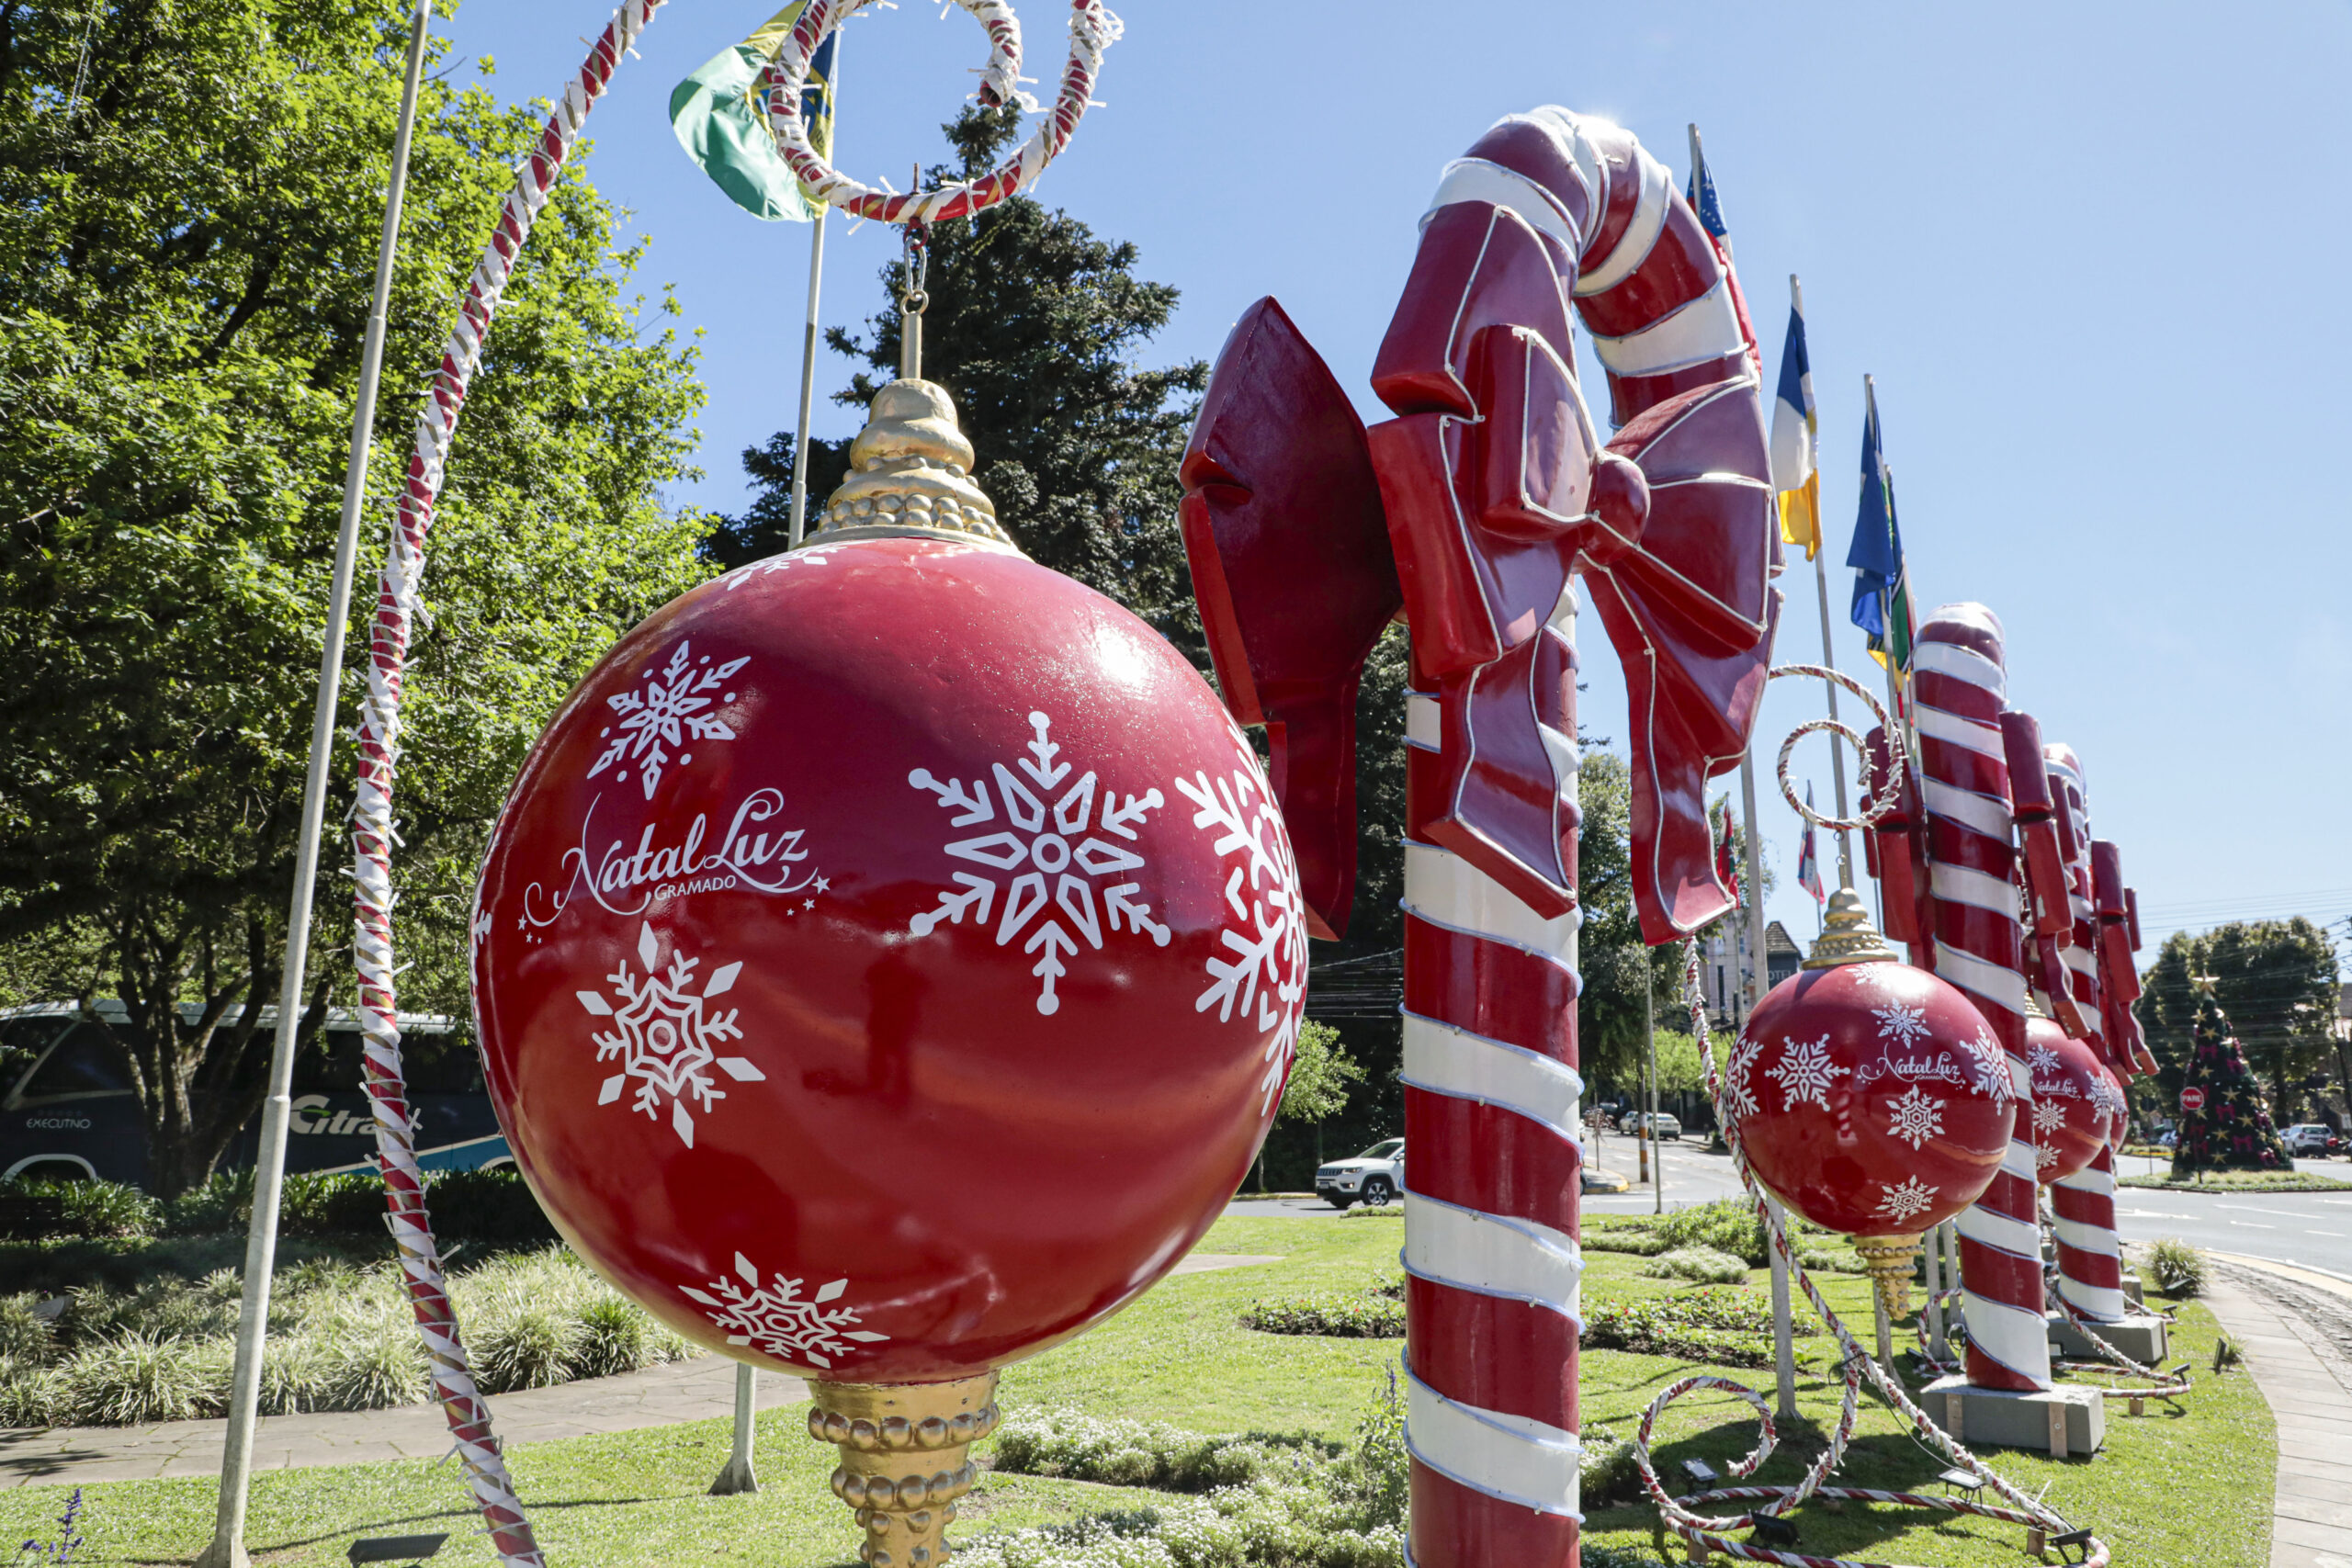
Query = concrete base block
x=2140 y=1337
x=2074 y=1420
x=2132 y=1291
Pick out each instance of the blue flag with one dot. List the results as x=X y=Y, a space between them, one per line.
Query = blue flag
x=1881 y=603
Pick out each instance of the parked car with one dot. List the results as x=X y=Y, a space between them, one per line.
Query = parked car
x=1375 y=1175
x=1667 y=1127
x=2307 y=1138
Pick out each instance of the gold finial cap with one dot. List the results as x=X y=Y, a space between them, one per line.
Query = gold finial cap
x=910 y=475
x=1848 y=937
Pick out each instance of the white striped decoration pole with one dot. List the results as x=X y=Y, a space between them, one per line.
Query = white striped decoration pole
x=397 y=603
x=2090 y=1254
x=1960 y=690
x=1492 y=1182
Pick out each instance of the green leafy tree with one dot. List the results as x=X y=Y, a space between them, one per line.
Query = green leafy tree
x=2276 y=981
x=1033 y=327
x=1319 y=1075
x=189 y=195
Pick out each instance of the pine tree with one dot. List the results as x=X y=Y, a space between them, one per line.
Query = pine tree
x=2233 y=1130
x=1033 y=327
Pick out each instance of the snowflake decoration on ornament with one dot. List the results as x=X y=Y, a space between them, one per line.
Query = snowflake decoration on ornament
x=1265 y=975
x=666 y=713
x=1039 y=841
x=1739 y=1093
x=2048 y=1115
x=1906 y=1026
x=1806 y=1073
x=775 y=1317
x=1915 y=1118
x=1913 y=1197
x=665 y=1038
x=807 y=556
x=1991 y=1077
x=2044 y=1156
x=2040 y=1059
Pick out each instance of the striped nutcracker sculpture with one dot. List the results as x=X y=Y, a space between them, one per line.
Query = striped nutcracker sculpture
x=1477 y=508
x=1976 y=945
x=2090 y=1258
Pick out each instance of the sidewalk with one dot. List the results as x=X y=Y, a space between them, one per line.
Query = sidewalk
x=699 y=1390
x=2308 y=1382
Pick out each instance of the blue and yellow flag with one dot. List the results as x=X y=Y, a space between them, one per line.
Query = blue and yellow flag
x=1882 y=591
x=720 y=115
x=1796 y=474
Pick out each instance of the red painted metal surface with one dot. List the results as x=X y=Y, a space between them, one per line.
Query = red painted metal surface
x=2072 y=1115
x=1871 y=1098
x=887 y=962
x=1977 y=940
x=1278 y=444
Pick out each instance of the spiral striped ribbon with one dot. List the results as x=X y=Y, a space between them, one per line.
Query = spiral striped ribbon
x=1092 y=29
x=1493 y=1177
x=1961 y=690
x=2090 y=1254
x=379 y=748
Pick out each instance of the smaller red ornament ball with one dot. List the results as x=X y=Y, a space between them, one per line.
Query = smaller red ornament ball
x=888 y=962
x=2072 y=1115
x=1871 y=1098
x=2120 y=1100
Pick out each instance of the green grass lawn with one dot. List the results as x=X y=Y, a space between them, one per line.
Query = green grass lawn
x=2242 y=1181
x=2168 y=1490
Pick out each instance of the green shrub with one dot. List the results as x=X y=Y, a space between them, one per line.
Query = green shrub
x=1120 y=1453
x=24 y=1335
x=1302 y=1507
x=29 y=1394
x=373 y=1367
x=87 y=1209
x=1726 y=1225
x=1731 y=1328
x=351 y=1203
x=2179 y=1269
x=1370 y=1315
x=1607 y=1476
x=132 y=1379
x=524 y=1343
x=490 y=1208
x=295 y=1371
x=1703 y=1265
x=1640 y=1243
x=1375 y=1211
x=223 y=1203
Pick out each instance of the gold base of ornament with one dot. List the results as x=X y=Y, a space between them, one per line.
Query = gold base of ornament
x=904 y=1459
x=1889 y=1260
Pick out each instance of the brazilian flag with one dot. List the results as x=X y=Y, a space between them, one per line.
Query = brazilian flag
x=720 y=115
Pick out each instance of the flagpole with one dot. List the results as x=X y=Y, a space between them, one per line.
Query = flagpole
x=227 y=1549
x=1828 y=652
x=809 y=330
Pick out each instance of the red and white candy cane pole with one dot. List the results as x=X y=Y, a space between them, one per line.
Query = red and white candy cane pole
x=1491 y=1094
x=2090 y=1255
x=1961 y=690
x=378 y=745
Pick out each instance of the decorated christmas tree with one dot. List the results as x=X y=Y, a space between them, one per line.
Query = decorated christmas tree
x=2224 y=1125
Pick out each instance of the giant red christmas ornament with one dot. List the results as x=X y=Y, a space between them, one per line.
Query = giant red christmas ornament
x=888 y=962
x=1869 y=1095
x=2075 y=1107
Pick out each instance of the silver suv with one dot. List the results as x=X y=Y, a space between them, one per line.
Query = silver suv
x=1375 y=1175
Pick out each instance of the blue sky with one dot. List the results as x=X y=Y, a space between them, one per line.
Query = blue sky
x=2090 y=254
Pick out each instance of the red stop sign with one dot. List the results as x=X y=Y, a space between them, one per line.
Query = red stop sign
x=2192 y=1099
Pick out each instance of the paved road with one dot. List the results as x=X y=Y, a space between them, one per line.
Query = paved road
x=2311 y=1230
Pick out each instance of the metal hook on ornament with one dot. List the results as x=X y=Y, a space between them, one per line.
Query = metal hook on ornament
x=1896 y=755
x=914 y=299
